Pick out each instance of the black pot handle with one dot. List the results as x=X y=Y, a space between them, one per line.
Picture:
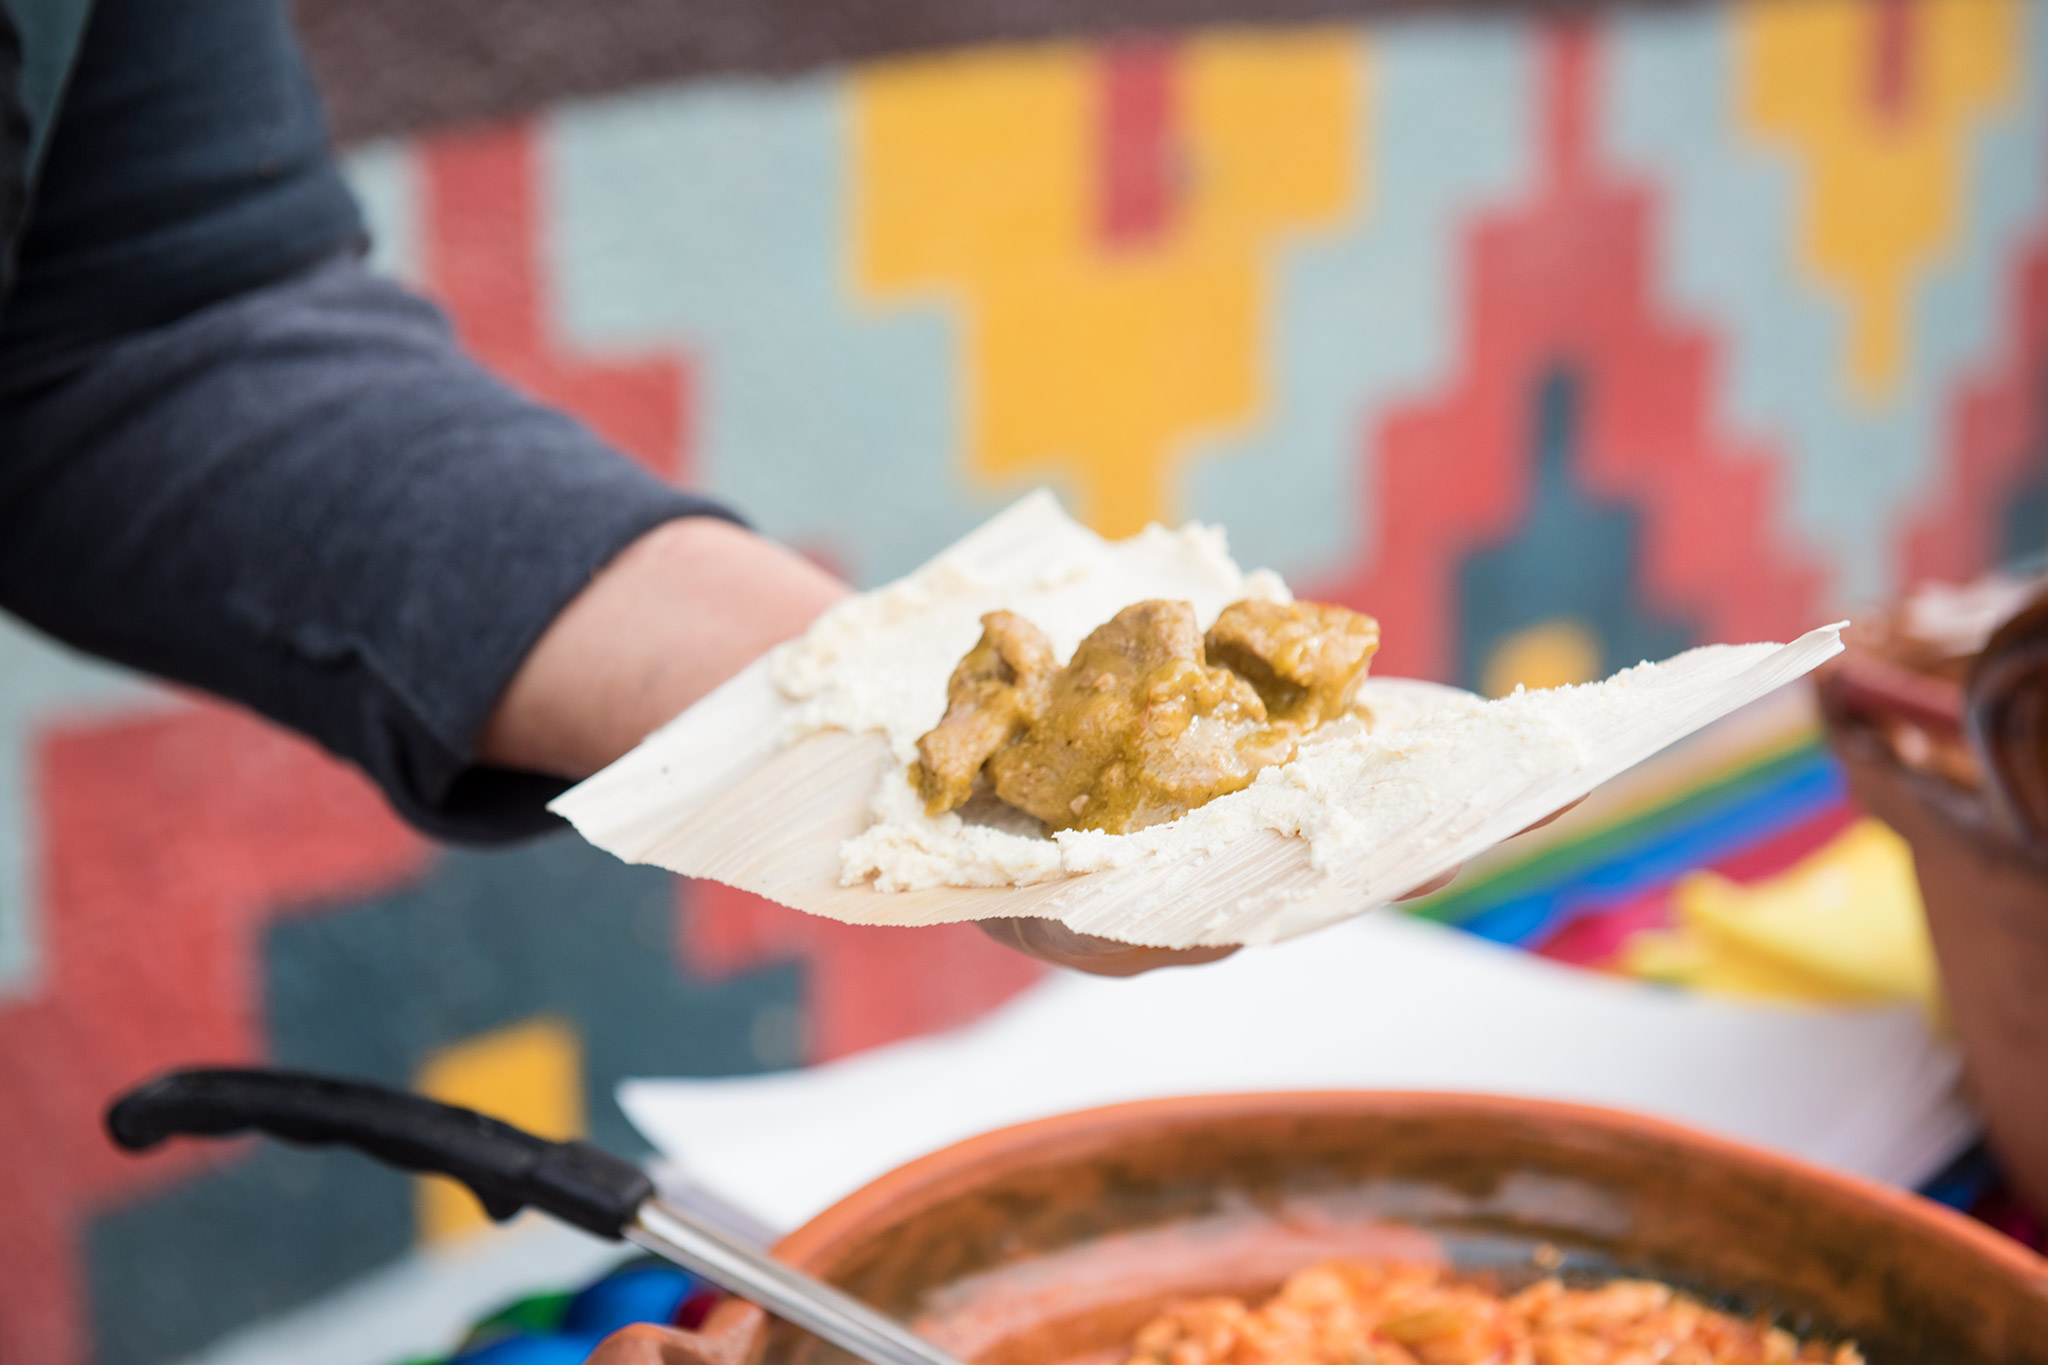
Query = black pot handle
x=507 y=1169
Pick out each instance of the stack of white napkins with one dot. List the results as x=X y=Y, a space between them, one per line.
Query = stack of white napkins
x=1386 y=1002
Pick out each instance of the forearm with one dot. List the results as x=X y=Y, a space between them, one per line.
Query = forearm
x=307 y=500
x=684 y=608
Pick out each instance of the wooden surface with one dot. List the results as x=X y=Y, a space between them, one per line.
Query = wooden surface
x=399 y=66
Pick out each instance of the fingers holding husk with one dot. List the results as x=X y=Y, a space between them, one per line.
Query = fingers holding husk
x=1444 y=879
x=1566 y=809
x=1050 y=941
x=1432 y=886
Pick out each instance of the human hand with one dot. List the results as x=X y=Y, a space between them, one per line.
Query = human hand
x=1050 y=941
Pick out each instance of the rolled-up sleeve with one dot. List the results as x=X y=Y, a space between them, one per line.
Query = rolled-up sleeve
x=308 y=500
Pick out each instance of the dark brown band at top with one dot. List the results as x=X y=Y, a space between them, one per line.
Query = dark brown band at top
x=393 y=66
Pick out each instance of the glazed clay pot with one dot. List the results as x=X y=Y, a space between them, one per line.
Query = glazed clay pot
x=1054 y=1241
x=1987 y=915
x=1980 y=852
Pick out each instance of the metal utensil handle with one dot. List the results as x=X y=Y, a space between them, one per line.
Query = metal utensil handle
x=789 y=1294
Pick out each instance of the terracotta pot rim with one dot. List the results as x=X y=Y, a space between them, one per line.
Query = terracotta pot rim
x=960 y=1167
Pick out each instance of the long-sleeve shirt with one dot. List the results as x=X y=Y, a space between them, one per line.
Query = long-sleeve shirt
x=231 y=457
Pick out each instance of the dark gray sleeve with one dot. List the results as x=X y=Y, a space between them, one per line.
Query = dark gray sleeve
x=306 y=499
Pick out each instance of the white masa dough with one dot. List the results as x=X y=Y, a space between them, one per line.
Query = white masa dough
x=880 y=661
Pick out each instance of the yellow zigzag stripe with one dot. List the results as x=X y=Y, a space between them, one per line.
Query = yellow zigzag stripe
x=1885 y=192
x=975 y=181
x=529 y=1073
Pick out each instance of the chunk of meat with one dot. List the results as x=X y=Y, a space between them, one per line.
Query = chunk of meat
x=1149 y=719
x=996 y=692
x=1138 y=729
x=1304 y=658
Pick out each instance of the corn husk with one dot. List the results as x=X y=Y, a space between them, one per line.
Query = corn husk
x=726 y=791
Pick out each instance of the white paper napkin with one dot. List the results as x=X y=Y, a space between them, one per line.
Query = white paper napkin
x=1387 y=1002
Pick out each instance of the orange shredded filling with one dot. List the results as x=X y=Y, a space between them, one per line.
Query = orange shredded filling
x=1399 y=1313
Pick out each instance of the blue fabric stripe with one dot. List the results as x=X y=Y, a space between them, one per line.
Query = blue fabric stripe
x=1666 y=853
